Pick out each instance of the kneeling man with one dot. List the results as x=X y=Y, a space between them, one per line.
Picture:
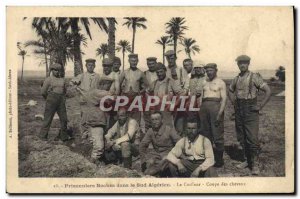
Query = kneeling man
x=120 y=140
x=192 y=155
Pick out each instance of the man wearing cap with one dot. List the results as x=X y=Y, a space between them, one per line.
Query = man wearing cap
x=85 y=82
x=188 y=71
x=109 y=80
x=89 y=79
x=150 y=73
x=54 y=91
x=196 y=84
x=186 y=74
x=134 y=81
x=151 y=76
x=212 y=111
x=165 y=86
x=93 y=120
x=173 y=71
x=108 y=85
x=243 y=94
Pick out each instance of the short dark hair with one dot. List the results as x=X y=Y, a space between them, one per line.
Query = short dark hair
x=188 y=60
x=157 y=112
x=122 y=108
x=192 y=120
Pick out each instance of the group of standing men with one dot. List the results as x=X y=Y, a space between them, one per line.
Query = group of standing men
x=184 y=143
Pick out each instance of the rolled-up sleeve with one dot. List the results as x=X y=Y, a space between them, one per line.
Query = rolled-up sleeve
x=176 y=152
x=258 y=81
x=133 y=127
x=209 y=155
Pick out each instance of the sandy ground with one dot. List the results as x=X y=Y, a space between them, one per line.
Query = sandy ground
x=56 y=159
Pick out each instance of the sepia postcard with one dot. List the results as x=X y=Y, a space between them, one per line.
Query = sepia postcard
x=150 y=100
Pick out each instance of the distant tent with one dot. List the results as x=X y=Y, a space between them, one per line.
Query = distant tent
x=281 y=94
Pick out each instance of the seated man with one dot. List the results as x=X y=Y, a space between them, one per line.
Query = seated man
x=163 y=138
x=192 y=155
x=120 y=138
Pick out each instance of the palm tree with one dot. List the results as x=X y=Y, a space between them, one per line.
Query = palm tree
x=123 y=46
x=22 y=53
x=164 y=41
x=190 y=46
x=175 y=28
x=73 y=23
x=39 y=24
x=40 y=49
x=56 y=43
x=111 y=37
x=134 y=23
x=102 y=50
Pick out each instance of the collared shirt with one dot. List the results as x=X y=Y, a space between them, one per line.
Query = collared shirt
x=162 y=140
x=150 y=76
x=199 y=149
x=243 y=88
x=88 y=80
x=166 y=87
x=133 y=80
x=55 y=85
x=123 y=133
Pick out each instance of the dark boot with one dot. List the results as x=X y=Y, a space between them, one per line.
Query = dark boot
x=244 y=158
x=219 y=162
x=127 y=162
x=255 y=165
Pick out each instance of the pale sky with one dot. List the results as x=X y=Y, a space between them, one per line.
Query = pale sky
x=263 y=33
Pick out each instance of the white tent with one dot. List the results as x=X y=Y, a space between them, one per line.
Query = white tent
x=281 y=94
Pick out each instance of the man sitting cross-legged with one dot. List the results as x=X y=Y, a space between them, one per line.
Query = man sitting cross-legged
x=163 y=138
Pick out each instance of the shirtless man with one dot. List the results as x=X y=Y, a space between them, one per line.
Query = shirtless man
x=212 y=111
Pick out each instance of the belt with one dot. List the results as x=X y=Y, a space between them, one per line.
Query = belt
x=254 y=100
x=211 y=99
